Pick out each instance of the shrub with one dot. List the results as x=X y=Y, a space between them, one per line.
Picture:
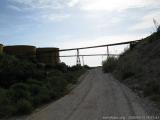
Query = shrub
x=110 y=64
x=2 y=96
x=86 y=67
x=25 y=85
x=71 y=78
x=24 y=107
x=39 y=94
x=155 y=98
x=6 y=64
x=152 y=87
x=19 y=91
x=61 y=67
x=75 y=68
x=57 y=86
x=14 y=70
x=55 y=73
x=34 y=81
x=124 y=70
x=138 y=67
x=6 y=109
x=128 y=65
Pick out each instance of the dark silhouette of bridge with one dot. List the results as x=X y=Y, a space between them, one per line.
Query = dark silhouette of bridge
x=78 y=61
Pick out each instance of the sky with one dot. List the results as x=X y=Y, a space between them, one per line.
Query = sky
x=77 y=23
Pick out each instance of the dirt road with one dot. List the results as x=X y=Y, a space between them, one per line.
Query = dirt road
x=98 y=97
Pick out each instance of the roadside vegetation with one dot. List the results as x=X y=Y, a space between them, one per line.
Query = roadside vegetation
x=25 y=85
x=139 y=67
x=109 y=65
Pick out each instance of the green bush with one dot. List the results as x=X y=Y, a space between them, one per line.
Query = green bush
x=6 y=106
x=34 y=81
x=71 y=78
x=57 y=86
x=61 y=67
x=110 y=64
x=39 y=94
x=2 y=96
x=55 y=72
x=14 y=70
x=7 y=63
x=139 y=67
x=19 y=91
x=24 y=107
x=128 y=65
x=25 y=85
x=124 y=70
x=7 y=110
x=75 y=68
x=153 y=37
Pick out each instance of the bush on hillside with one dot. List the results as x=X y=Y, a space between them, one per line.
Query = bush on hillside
x=153 y=37
x=139 y=67
x=57 y=86
x=6 y=106
x=55 y=72
x=7 y=110
x=25 y=85
x=61 y=67
x=109 y=65
x=14 y=70
x=151 y=87
x=23 y=107
x=3 y=96
x=35 y=82
x=75 y=68
x=19 y=91
x=86 y=67
x=70 y=77
x=124 y=71
x=128 y=65
x=39 y=94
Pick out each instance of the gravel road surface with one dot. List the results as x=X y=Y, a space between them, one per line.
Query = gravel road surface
x=98 y=97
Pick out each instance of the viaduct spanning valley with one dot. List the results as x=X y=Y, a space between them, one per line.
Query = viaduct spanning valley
x=43 y=55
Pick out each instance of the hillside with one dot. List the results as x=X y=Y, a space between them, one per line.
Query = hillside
x=26 y=85
x=139 y=67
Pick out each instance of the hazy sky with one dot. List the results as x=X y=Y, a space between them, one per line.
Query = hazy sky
x=76 y=23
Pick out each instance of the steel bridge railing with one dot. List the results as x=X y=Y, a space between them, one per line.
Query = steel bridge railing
x=107 y=45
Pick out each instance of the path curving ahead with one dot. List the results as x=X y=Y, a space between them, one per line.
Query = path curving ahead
x=98 y=97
